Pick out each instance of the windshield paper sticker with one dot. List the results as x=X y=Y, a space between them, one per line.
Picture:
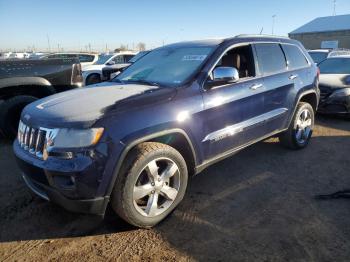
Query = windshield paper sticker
x=194 y=57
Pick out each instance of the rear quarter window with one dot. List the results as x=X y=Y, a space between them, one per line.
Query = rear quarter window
x=295 y=58
x=270 y=58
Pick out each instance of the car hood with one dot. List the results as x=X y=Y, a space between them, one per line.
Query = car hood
x=81 y=108
x=92 y=67
x=335 y=81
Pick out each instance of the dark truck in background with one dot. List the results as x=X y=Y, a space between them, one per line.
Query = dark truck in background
x=24 y=81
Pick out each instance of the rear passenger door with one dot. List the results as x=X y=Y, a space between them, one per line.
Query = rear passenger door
x=279 y=86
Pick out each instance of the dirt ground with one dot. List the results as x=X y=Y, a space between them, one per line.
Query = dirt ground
x=258 y=205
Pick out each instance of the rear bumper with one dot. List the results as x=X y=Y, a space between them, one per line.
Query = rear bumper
x=96 y=206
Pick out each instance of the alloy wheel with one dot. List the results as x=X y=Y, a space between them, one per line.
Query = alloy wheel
x=156 y=187
x=304 y=126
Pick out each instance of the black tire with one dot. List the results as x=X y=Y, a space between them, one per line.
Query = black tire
x=93 y=79
x=289 y=137
x=10 y=113
x=122 y=196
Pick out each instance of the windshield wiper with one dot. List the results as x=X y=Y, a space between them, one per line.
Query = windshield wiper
x=142 y=81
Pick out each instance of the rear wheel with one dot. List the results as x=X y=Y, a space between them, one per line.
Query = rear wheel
x=300 y=130
x=93 y=79
x=151 y=184
x=10 y=113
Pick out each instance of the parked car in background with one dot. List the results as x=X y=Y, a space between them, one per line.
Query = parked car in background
x=335 y=85
x=93 y=74
x=24 y=81
x=133 y=142
x=109 y=72
x=318 y=55
x=18 y=55
x=85 y=59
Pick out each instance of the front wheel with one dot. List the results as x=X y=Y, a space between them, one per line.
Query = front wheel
x=93 y=79
x=152 y=182
x=300 y=130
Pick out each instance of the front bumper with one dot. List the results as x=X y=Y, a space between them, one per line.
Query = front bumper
x=68 y=183
x=96 y=206
x=334 y=105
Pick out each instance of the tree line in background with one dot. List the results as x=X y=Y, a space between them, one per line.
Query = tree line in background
x=140 y=47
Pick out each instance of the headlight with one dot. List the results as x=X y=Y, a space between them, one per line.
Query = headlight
x=341 y=93
x=74 y=138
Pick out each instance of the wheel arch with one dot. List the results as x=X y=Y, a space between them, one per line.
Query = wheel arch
x=176 y=138
x=34 y=86
x=310 y=97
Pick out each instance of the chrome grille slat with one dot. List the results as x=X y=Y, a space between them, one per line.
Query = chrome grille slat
x=37 y=141
x=32 y=139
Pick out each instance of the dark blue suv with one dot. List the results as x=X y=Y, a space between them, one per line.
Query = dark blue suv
x=134 y=141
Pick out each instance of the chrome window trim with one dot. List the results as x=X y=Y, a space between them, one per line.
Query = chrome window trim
x=245 y=125
x=256 y=62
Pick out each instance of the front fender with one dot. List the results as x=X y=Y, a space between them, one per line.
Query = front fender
x=121 y=150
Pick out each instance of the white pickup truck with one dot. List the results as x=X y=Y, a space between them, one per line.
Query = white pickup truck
x=92 y=74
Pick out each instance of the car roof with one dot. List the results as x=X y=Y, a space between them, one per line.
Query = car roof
x=239 y=38
x=319 y=51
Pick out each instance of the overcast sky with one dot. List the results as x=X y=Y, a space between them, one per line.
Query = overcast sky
x=74 y=24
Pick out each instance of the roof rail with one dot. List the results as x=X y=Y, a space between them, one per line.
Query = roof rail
x=261 y=35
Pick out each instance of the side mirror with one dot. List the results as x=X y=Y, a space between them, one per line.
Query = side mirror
x=111 y=63
x=223 y=75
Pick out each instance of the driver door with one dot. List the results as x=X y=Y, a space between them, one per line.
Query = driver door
x=233 y=110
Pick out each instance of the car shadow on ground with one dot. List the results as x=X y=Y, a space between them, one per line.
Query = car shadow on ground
x=258 y=204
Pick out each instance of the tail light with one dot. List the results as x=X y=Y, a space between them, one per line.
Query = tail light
x=77 y=77
x=318 y=72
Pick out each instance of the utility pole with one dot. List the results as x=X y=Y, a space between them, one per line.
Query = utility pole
x=273 y=24
x=334 y=7
x=48 y=42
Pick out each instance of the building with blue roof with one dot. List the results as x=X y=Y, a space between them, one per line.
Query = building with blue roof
x=324 y=32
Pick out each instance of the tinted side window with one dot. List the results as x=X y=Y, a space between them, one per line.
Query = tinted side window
x=128 y=57
x=270 y=58
x=295 y=57
x=86 y=58
x=119 y=59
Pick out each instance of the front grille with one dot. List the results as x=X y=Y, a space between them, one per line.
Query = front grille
x=32 y=139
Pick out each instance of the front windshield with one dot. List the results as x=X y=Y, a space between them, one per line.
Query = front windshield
x=102 y=59
x=138 y=56
x=335 y=66
x=168 y=66
x=318 y=56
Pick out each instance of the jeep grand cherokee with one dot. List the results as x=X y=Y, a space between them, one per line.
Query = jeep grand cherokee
x=133 y=142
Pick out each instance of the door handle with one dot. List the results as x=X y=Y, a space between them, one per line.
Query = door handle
x=255 y=86
x=292 y=77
